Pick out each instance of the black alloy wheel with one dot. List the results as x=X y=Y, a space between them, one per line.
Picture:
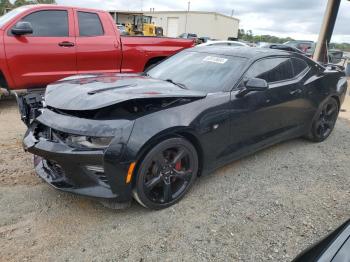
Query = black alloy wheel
x=325 y=120
x=166 y=173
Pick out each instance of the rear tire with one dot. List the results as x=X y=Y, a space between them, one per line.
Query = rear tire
x=166 y=173
x=324 y=121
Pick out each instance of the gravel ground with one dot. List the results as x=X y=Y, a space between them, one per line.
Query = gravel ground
x=266 y=207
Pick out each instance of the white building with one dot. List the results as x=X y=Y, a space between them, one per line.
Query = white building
x=204 y=24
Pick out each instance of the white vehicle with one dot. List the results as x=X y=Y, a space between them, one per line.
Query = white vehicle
x=223 y=43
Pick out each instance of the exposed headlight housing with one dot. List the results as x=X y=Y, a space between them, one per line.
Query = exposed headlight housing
x=85 y=142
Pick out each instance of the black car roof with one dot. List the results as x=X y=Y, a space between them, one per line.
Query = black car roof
x=247 y=52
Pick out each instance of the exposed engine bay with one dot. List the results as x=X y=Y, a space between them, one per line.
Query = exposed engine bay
x=31 y=104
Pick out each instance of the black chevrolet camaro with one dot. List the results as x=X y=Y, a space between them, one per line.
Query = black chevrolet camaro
x=149 y=136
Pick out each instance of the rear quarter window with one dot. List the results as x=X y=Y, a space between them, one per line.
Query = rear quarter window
x=271 y=69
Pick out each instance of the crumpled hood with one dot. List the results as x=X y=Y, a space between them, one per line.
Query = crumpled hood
x=90 y=92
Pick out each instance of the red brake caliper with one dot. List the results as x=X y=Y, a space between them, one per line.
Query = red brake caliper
x=178 y=166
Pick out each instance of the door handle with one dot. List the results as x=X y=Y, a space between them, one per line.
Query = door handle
x=66 y=44
x=295 y=92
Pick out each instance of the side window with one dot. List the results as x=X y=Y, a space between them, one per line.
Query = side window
x=299 y=65
x=48 y=23
x=271 y=69
x=89 y=24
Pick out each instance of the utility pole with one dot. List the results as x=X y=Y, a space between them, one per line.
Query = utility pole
x=188 y=10
x=326 y=31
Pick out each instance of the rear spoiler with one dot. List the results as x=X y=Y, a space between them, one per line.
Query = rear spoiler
x=29 y=105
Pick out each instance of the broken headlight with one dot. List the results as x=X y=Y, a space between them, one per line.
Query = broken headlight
x=84 y=142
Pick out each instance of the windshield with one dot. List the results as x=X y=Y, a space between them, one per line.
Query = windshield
x=200 y=71
x=8 y=16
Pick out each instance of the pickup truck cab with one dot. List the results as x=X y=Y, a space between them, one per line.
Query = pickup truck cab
x=40 y=44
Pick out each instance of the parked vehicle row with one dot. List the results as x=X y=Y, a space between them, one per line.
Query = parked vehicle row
x=45 y=43
x=223 y=43
x=334 y=56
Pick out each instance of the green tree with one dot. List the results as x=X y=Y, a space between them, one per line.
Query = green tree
x=45 y=1
x=20 y=3
x=241 y=33
x=4 y=5
x=250 y=37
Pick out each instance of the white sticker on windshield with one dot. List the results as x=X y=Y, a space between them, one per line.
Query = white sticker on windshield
x=214 y=59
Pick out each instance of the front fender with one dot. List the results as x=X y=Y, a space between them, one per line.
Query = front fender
x=194 y=121
x=149 y=130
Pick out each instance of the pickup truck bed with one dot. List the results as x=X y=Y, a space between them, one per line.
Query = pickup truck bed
x=40 y=44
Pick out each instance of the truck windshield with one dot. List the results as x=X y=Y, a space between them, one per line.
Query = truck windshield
x=8 y=16
x=200 y=71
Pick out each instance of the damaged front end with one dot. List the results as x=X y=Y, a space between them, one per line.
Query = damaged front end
x=79 y=138
x=78 y=155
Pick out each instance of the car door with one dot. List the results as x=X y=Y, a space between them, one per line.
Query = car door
x=304 y=91
x=98 y=48
x=262 y=118
x=46 y=55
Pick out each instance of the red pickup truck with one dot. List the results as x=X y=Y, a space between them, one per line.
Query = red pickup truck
x=40 y=44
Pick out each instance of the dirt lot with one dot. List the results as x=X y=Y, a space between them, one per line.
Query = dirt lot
x=266 y=207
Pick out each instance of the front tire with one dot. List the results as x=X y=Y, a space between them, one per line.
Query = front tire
x=324 y=121
x=166 y=173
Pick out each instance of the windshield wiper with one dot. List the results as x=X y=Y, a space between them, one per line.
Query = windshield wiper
x=177 y=84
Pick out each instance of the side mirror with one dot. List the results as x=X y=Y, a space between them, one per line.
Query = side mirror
x=253 y=84
x=256 y=84
x=22 y=28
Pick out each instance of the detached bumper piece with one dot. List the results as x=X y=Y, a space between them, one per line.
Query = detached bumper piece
x=83 y=172
x=29 y=106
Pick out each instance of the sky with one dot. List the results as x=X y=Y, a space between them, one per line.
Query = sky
x=299 y=19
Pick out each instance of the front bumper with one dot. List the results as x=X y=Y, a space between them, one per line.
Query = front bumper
x=93 y=173
x=54 y=175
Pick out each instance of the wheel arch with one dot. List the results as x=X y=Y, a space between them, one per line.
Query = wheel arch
x=174 y=132
x=153 y=60
x=3 y=81
x=338 y=101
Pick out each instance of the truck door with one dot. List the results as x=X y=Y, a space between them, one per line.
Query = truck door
x=98 y=45
x=46 y=55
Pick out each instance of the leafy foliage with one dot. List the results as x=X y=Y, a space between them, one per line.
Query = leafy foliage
x=249 y=37
x=342 y=46
x=6 y=5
